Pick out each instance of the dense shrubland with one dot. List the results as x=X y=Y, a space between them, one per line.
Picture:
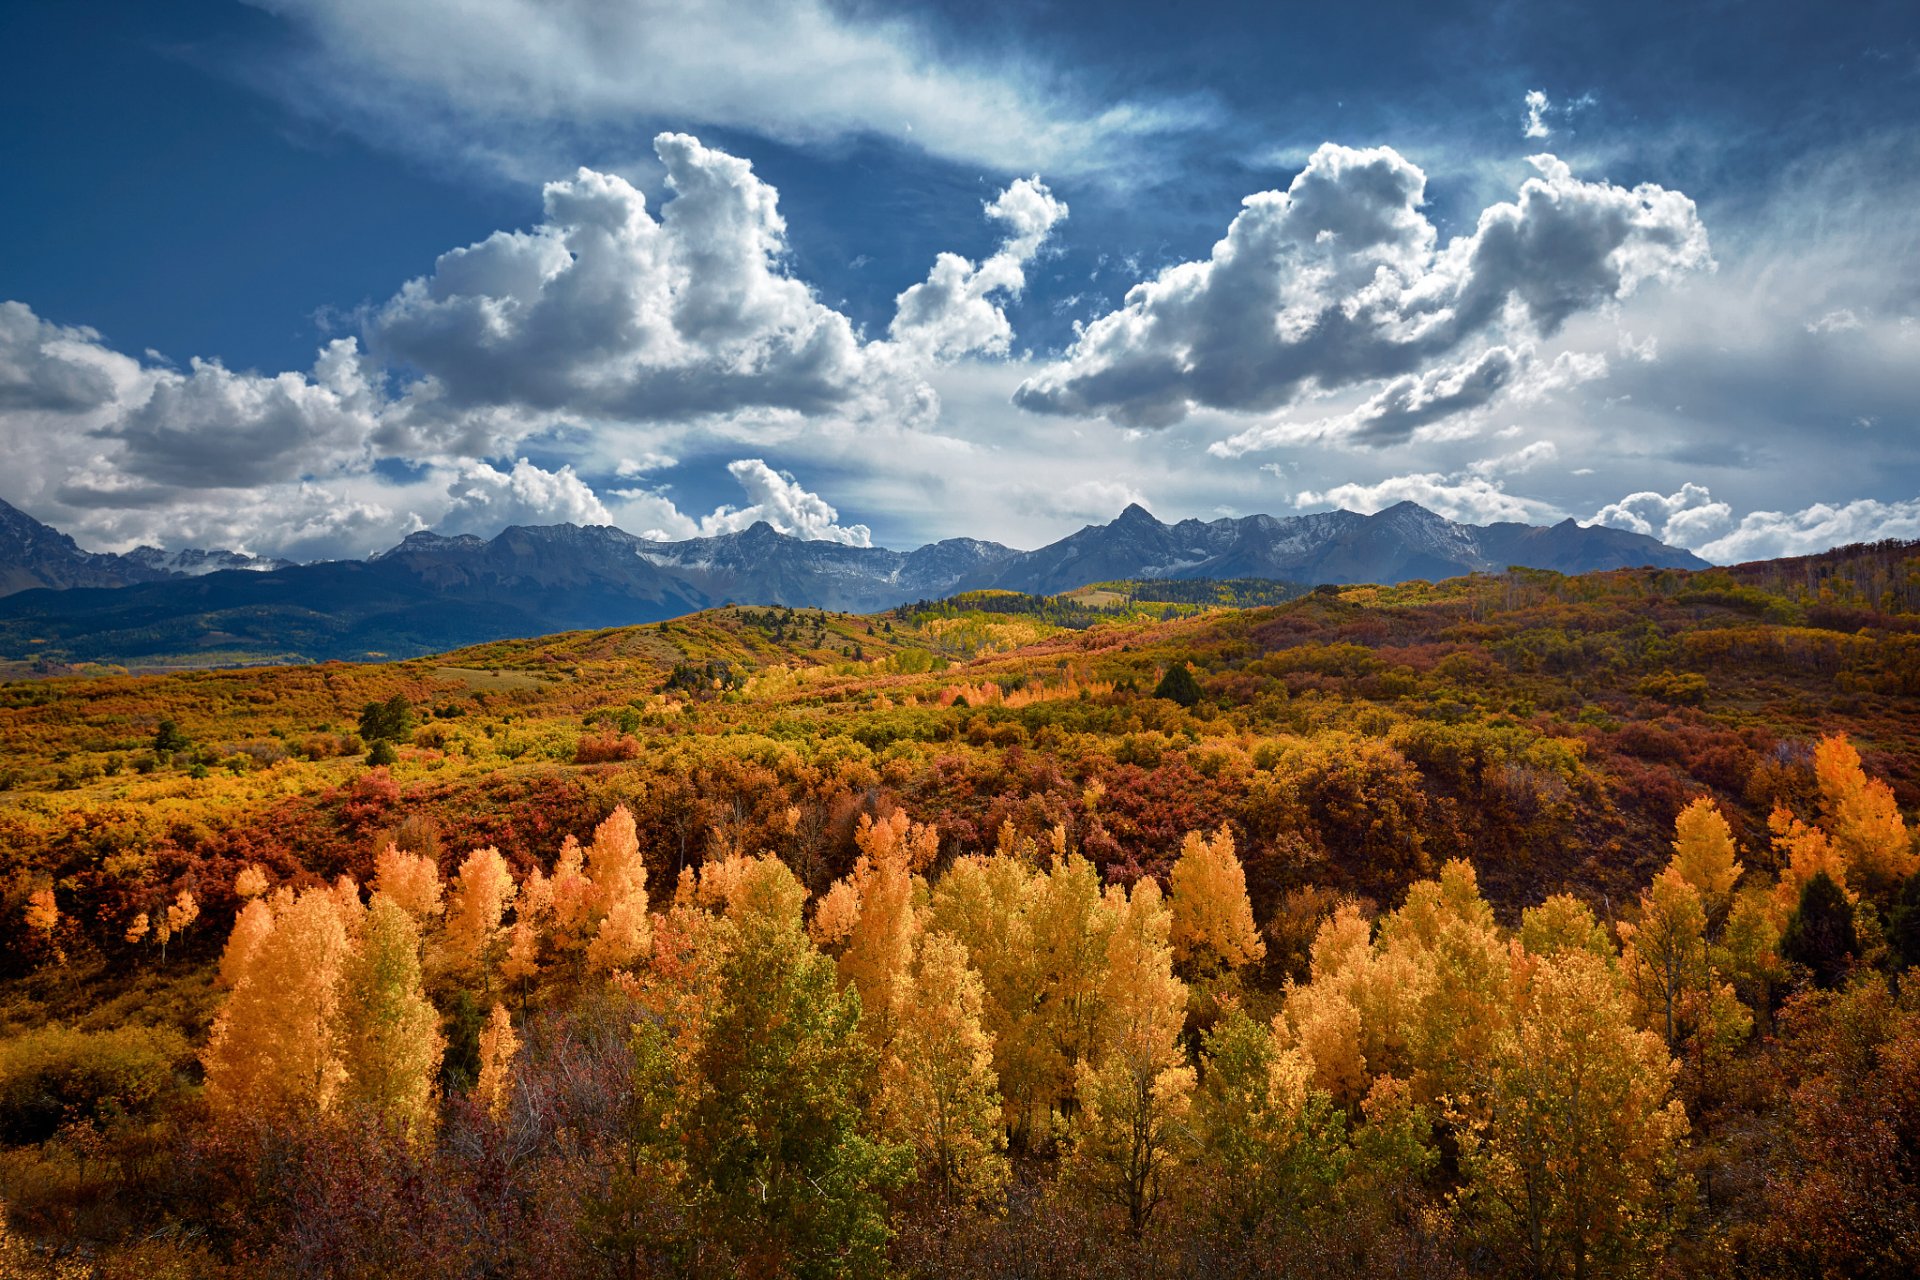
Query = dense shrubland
x=1520 y=925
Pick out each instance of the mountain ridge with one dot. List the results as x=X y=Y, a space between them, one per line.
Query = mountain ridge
x=436 y=591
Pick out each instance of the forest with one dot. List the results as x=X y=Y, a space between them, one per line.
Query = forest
x=1515 y=925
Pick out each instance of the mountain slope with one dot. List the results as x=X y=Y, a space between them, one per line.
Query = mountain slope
x=1402 y=542
x=33 y=555
x=436 y=592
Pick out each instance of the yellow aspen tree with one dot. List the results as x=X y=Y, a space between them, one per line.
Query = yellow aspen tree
x=137 y=929
x=1213 y=928
x=1863 y=819
x=879 y=946
x=624 y=937
x=493 y=1088
x=1564 y=923
x=251 y=882
x=532 y=917
x=1705 y=857
x=1574 y=1161
x=1131 y=1136
x=410 y=880
x=836 y=912
x=1804 y=852
x=1354 y=1018
x=482 y=890
x=1270 y=1143
x=274 y=1051
x=250 y=927
x=613 y=863
x=390 y=1035
x=982 y=903
x=346 y=891
x=1446 y=932
x=1664 y=954
x=180 y=916
x=938 y=1089
x=572 y=899
x=1071 y=925
x=43 y=917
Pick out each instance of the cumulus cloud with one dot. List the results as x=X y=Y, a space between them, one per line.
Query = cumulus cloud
x=1685 y=518
x=1524 y=459
x=217 y=429
x=485 y=500
x=1471 y=499
x=956 y=310
x=1339 y=281
x=604 y=309
x=1536 y=122
x=499 y=79
x=772 y=496
x=1394 y=413
x=52 y=367
x=1765 y=534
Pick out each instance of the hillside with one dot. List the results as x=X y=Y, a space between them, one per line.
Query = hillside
x=1470 y=748
x=434 y=592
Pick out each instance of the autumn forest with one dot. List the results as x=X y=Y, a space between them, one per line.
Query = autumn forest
x=1515 y=925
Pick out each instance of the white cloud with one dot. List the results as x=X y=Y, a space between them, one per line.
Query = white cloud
x=1685 y=518
x=1537 y=107
x=1524 y=459
x=485 y=500
x=1766 y=534
x=604 y=310
x=1394 y=413
x=956 y=310
x=772 y=496
x=1339 y=281
x=45 y=366
x=509 y=82
x=646 y=463
x=1471 y=499
x=213 y=428
x=1840 y=320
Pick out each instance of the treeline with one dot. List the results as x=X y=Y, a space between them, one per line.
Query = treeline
x=1002 y=1064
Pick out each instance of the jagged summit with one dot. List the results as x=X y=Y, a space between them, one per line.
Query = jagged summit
x=438 y=591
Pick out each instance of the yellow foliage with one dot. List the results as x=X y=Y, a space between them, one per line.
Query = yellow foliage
x=1862 y=818
x=251 y=882
x=1704 y=854
x=410 y=880
x=482 y=890
x=493 y=1089
x=939 y=1093
x=390 y=1035
x=274 y=1050
x=1212 y=917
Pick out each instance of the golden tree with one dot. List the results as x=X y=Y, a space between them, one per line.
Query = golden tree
x=1705 y=857
x=982 y=903
x=879 y=940
x=411 y=880
x=1572 y=1165
x=493 y=1088
x=471 y=938
x=274 y=1051
x=251 y=882
x=1131 y=1134
x=939 y=1093
x=389 y=1034
x=1213 y=928
x=1863 y=819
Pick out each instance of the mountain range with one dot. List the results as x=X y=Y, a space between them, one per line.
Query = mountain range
x=435 y=592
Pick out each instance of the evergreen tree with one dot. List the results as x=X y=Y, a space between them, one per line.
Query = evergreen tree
x=1178 y=685
x=1821 y=934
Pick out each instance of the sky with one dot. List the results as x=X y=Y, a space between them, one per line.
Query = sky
x=300 y=277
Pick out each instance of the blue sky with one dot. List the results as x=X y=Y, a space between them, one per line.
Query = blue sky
x=865 y=270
